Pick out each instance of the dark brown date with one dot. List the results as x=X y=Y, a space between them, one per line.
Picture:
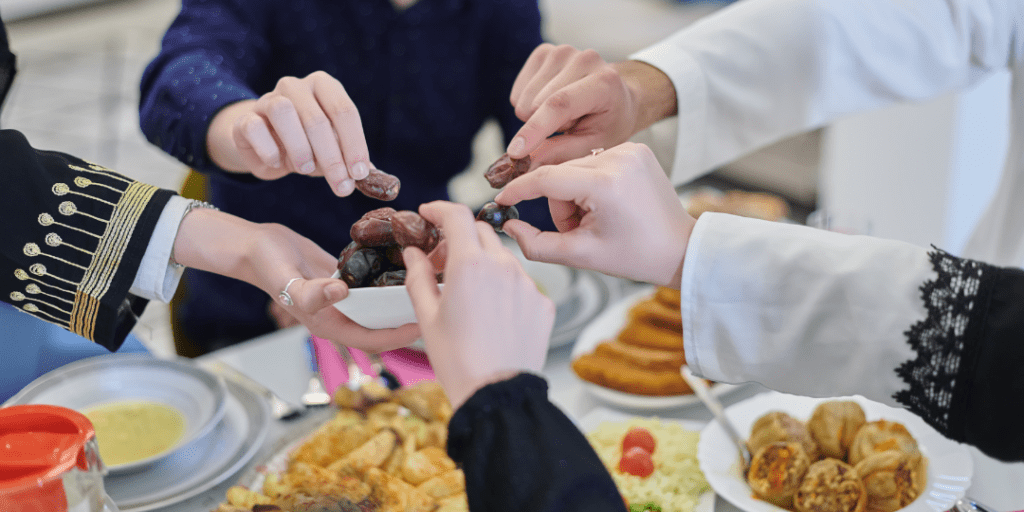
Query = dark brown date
x=413 y=230
x=390 y=278
x=394 y=254
x=496 y=215
x=346 y=253
x=379 y=185
x=372 y=232
x=362 y=267
x=506 y=169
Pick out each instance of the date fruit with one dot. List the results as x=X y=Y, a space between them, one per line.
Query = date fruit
x=413 y=230
x=496 y=215
x=362 y=267
x=374 y=229
x=390 y=278
x=506 y=169
x=379 y=185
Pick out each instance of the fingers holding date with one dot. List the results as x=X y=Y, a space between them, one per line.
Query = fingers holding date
x=496 y=215
x=412 y=230
x=506 y=169
x=379 y=185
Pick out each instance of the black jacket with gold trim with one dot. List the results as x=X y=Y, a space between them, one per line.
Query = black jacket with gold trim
x=74 y=234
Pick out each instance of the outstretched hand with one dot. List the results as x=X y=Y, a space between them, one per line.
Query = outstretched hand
x=593 y=103
x=489 y=321
x=616 y=212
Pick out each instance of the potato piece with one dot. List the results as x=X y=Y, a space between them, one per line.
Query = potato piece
x=241 y=497
x=274 y=487
x=371 y=454
x=426 y=464
x=394 y=495
x=224 y=507
x=332 y=441
x=456 y=503
x=427 y=400
x=446 y=484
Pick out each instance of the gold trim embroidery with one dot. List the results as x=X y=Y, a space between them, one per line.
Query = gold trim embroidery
x=40 y=270
x=108 y=255
x=34 y=289
x=102 y=171
x=45 y=219
x=32 y=250
x=83 y=182
x=68 y=208
x=62 y=189
x=54 y=240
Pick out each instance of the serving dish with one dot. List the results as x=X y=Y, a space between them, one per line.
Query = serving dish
x=202 y=465
x=197 y=395
x=605 y=326
x=950 y=466
x=599 y=415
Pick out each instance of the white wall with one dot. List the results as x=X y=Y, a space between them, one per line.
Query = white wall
x=15 y=9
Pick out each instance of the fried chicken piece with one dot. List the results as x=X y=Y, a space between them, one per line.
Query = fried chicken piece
x=650 y=336
x=239 y=496
x=316 y=488
x=457 y=503
x=831 y=485
x=777 y=426
x=616 y=374
x=652 y=312
x=776 y=472
x=427 y=400
x=648 y=359
x=834 y=424
x=332 y=441
x=892 y=479
x=879 y=436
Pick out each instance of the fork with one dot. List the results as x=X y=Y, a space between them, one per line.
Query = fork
x=315 y=395
x=356 y=377
x=384 y=375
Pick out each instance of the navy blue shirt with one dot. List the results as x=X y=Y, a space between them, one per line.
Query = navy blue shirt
x=424 y=80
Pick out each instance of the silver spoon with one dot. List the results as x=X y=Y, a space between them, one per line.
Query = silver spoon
x=700 y=388
x=279 y=407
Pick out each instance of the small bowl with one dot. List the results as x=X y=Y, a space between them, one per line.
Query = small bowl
x=196 y=394
x=379 y=307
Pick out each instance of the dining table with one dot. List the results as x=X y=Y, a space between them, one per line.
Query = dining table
x=280 y=362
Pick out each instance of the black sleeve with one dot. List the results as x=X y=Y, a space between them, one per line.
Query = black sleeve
x=74 y=234
x=519 y=452
x=968 y=378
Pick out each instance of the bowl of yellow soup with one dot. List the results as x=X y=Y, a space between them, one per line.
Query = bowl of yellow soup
x=142 y=408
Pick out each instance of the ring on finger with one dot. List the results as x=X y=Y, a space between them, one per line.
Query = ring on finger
x=284 y=296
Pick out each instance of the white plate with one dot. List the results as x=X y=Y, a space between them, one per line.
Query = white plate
x=195 y=393
x=593 y=419
x=950 y=466
x=202 y=465
x=378 y=307
x=606 y=326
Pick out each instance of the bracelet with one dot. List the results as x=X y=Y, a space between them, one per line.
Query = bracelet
x=193 y=204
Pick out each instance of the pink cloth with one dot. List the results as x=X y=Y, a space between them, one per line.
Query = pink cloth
x=409 y=365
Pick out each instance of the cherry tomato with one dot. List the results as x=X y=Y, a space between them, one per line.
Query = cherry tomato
x=636 y=462
x=638 y=436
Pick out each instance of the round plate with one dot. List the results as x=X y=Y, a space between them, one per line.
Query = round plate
x=195 y=393
x=202 y=465
x=588 y=297
x=950 y=466
x=606 y=326
x=593 y=419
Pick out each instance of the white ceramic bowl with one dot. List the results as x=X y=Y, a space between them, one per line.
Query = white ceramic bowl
x=196 y=394
x=378 y=307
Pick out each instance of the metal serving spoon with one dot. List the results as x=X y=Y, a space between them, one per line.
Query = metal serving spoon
x=700 y=388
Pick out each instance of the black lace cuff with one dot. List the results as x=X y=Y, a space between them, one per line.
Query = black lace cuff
x=944 y=356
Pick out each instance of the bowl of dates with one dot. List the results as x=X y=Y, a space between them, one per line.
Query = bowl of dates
x=373 y=268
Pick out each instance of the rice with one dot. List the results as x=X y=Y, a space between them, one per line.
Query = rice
x=677 y=481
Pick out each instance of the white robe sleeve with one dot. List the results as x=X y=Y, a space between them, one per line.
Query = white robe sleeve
x=761 y=70
x=800 y=310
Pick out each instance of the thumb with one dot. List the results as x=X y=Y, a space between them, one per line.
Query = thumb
x=312 y=295
x=421 y=283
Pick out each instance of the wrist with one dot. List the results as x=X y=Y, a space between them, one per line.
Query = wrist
x=651 y=90
x=220 y=138
x=217 y=242
x=467 y=387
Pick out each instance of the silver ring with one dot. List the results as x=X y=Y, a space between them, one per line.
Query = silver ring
x=286 y=299
x=594 y=152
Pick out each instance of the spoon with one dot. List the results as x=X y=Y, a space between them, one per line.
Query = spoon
x=700 y=388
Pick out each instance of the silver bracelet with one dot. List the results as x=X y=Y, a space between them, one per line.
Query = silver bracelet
x=193 y=204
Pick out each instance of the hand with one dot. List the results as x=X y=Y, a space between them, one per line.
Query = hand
x=593 y=103
x=616 y=212
x=490 y=321
x=269 y=256
x=305 y=125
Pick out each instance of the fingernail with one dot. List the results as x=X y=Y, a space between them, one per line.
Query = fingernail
x=517 y=146
x=334 y=292
x=360 y=170
x=346 y=187
x=307 y=167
